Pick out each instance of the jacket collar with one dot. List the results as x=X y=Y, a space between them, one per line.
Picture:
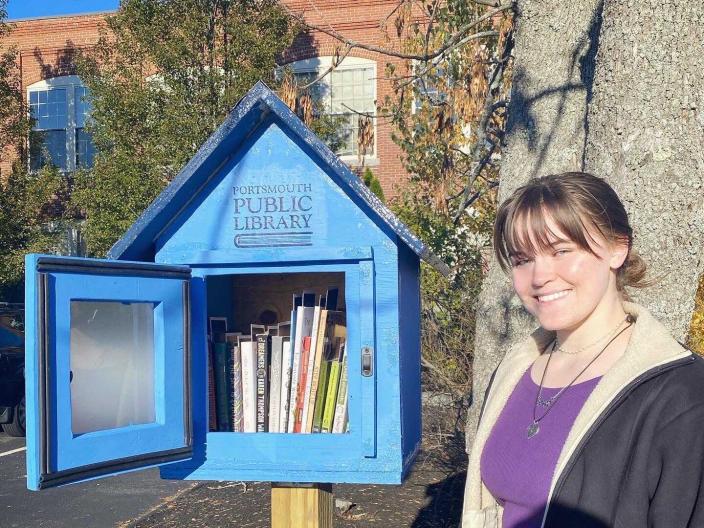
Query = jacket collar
x=650 y=346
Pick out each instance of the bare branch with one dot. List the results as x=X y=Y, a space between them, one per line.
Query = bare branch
x=455 y=387
x=458 y=37
x=490 y=3
x=489 y=109
x=399 y=5
x=334 y=64
x=429 y=27
x=370 y=115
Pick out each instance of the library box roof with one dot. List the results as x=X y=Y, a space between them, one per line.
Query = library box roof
x=260 y=121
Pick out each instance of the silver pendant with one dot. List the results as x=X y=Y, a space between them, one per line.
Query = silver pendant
x=545 y=403
x=533 y=429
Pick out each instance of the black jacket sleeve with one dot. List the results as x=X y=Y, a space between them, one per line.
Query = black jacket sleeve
x=676 y=471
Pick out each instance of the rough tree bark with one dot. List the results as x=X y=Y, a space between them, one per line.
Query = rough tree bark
x=646 y=134
x=614 y=87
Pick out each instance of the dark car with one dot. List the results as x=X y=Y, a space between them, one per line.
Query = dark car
x=12 y=404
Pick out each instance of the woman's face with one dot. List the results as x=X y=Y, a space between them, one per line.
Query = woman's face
x=564 y=285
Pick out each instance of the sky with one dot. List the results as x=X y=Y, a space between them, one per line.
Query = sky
x=41 y=8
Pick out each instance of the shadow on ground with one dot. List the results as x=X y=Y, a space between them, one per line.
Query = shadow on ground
x=431 y=496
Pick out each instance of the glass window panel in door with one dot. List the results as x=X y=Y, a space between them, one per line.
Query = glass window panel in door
x=112 y=365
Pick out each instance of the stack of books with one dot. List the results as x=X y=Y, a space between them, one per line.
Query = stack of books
x=285 y=378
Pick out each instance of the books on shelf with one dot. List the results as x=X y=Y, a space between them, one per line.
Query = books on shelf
x=289 y=377
x=314 y=377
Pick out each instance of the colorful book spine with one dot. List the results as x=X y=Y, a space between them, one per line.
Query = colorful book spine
x=275 y=383
x=340 y=420
x=237 y=411
x=212 y=406
x=303 y=376
x=263 y=352
x=333 y=385
x=285 y=385
x=311 y=367
x=222 y=392
x=320 y=396
x=318 y=347
x=248 y=351
x=304 y=323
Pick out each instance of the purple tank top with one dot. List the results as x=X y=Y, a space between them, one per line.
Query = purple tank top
x=518 y=470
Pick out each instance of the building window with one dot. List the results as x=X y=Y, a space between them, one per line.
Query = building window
x=348 y=92
x=60 y=107
x=427 y=89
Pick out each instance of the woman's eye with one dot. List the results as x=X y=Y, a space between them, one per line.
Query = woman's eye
x=562 y=252
x=519 y=262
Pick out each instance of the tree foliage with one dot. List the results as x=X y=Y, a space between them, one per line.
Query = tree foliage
x=14 y=120
x=448 y=112
x=695 y=339
x=31 y=210
x=162 y=78
x=373 y=183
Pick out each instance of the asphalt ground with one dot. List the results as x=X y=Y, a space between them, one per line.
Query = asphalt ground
x=104 y=503
x=431 y=496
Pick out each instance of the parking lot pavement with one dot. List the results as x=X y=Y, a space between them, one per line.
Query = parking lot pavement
x=104 y=503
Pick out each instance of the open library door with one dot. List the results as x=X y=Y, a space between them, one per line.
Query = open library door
x=107 y=368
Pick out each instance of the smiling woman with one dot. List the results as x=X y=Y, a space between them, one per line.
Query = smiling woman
x=555 y=445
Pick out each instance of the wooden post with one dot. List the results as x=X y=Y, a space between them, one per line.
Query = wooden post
x=301 y=505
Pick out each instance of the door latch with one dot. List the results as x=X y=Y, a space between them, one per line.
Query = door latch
x=367 y=361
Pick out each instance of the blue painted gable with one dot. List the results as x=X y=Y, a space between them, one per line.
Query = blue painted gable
x=263 y=179
x=271 y=194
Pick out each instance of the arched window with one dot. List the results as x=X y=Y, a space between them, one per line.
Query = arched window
x=348 y=91
x=60 y=108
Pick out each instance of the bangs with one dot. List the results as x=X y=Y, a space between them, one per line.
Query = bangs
x=534 y=221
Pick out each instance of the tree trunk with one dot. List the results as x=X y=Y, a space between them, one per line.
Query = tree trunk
x=622 y=99
x=646 y=135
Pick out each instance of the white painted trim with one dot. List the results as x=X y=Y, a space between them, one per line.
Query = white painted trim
x=55 y=82
x=321 y=63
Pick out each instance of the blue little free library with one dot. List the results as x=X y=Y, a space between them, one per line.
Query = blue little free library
x=259 y=322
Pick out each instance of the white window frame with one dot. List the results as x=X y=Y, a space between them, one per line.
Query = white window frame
x=70 y=82
x=318 y=65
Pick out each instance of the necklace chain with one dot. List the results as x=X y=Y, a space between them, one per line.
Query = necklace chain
x=534 y=427
x=605 y=337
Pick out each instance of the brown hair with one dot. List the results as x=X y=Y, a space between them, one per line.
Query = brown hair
x=576 y=202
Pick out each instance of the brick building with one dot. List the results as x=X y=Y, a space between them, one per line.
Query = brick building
x=47 y=46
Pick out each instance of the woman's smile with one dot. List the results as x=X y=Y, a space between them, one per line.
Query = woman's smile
x=548 y=298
